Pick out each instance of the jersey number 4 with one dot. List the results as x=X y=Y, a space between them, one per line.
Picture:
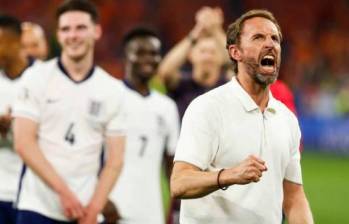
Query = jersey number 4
x=69 y=135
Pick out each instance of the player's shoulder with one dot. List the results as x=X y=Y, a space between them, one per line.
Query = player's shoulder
x=42 y=68
x=285 y=111
x=214 y=97
x=106 y=78
x=39 y=72
x=162 y=98
x=110 y=83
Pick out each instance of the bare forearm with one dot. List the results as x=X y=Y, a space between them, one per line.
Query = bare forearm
x=36 y=161
x=300 y=213
x=188 y=181
x=193 y=184
x=174 y=60
x=295 y=205
x=107 y=179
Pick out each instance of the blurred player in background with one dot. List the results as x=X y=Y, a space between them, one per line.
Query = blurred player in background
x=238 y=158
x=152 y=132
x=34 y=41
x=204 y=48
x=12 y=64
x=66 y=109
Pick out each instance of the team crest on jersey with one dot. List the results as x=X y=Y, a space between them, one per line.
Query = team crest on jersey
x=95 y=108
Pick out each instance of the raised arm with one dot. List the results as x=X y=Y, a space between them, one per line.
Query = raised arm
x=295 y=205
x=169 y=68
x=26 y=145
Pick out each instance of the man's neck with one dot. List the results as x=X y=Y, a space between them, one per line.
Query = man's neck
x=208 y=78
x=259 y=93
x=138 y=85
x=77 y=69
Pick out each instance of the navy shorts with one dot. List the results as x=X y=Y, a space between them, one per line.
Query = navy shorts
x=7 y=213
x=29 y=217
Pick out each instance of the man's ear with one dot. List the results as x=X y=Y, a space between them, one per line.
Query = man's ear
x=234 y=52
x=98 y=31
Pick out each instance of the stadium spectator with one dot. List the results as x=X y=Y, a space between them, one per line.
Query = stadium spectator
x=12 y=65
x=34 y=41
x=204 y=47
x=66 y=108
x=152 y=132
x=238 y=134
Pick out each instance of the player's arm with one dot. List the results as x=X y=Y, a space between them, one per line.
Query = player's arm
x=189 y=181
x=169 y=68
x=115 y=153
x=26 y=145
x=295 y=205
x=173 y=123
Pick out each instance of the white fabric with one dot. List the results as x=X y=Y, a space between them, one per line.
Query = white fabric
x=152 y=126
x=10 y=163
x=219 y=130
x=73 y=119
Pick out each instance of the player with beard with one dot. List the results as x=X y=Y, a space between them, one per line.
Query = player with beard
x=237 y=158
x=152 y=131
x=66 y=109
x=12 y=65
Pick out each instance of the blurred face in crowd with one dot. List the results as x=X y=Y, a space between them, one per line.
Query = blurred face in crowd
x=77 y=34
x=205 y=54
x=33 y=41
x=143 y=55
x=10 y=46
x=259 y=51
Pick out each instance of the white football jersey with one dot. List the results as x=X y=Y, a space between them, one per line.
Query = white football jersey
x=74 y=118
x=152 y=127
x=10 y=163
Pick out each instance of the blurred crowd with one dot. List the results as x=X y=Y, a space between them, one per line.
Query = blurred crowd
x=315 y=51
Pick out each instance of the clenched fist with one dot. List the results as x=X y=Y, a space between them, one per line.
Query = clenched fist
x=249 y=170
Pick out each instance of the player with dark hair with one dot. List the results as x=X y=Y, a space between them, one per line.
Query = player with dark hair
x=237 y=157
x=152 y=131
x=78 y=5
x=66 y=109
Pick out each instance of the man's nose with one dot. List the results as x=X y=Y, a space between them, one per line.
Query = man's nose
x=72 y=33
x=269 y=42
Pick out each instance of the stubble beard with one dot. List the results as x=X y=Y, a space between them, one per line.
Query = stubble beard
x=252 y=68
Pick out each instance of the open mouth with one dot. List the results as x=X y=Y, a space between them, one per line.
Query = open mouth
x=268 y=60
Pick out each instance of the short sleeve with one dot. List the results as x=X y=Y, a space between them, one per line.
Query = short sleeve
x=199 y=134
x=293 y=170
x=27 y=103
x=173 y=128
x=116 y=124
